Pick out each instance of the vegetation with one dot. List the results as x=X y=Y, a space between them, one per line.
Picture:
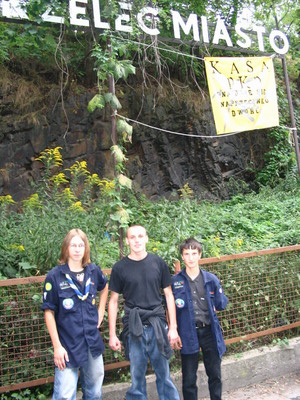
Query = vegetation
x=50 y=53
x=32 y=230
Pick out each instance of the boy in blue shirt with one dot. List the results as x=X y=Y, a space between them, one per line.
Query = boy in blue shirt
x=198 y=294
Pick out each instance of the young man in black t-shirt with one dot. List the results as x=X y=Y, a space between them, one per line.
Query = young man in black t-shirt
x=139 y=277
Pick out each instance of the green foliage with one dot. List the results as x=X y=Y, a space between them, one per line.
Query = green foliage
x=39 y=393
x=31 y=238
x=26 y=43
x=97 y=101
x=279 y=159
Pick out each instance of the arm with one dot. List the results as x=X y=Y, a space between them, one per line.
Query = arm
x=220 y=299
x=102 y=303
x=60 y=353
x=114 y=342
x=174 y=339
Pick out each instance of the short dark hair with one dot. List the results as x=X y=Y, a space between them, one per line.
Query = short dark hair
x=190 y=243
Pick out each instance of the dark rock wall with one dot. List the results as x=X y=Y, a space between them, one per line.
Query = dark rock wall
x=159 y=162
x=162 y=162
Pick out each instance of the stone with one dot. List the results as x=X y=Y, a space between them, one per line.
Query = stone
x=159 y=162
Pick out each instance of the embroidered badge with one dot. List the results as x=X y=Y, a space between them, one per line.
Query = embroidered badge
x=48 y=286
x=68 y=304
x=64 y=285
x=179 y=303
x=178 y=284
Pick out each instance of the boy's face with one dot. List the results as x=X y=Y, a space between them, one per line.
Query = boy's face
x=191 y=257
x=137 y=239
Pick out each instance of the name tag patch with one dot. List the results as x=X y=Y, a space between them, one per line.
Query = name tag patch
x=178 y=284
x=64 y=285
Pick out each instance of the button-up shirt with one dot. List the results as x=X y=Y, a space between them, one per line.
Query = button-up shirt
x=199 y=299
x=76 y=320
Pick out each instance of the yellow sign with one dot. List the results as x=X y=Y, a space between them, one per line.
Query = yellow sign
x=242 y=92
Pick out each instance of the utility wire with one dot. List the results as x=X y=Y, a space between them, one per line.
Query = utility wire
x=187 y=134
x=176 y=133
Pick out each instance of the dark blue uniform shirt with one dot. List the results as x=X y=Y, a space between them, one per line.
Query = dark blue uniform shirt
x=76 y=320
x=216 y=300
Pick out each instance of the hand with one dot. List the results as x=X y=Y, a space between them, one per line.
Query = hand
x=174 y=339
x=60 y=358
x=114 y=343
x=177 y=345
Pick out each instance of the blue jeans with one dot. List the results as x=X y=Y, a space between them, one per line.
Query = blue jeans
x=91 y=378
x=212 y=364
x=140 y=349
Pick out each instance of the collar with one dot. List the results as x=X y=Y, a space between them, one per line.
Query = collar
x=205 y=275
x=64 y=268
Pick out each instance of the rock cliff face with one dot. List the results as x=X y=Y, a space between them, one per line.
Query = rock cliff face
x=159 y=162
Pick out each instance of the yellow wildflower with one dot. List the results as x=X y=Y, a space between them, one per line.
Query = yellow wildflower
x=59 y=178
x=51 y=157
x=33 y=201
x=77 y=206
x=79 y=169
x=6 y=200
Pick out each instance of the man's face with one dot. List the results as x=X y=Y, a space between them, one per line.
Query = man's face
x=136 y=239
x=191 y=257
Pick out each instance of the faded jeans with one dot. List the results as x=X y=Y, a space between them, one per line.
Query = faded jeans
x=91 y=378
x=140 y=349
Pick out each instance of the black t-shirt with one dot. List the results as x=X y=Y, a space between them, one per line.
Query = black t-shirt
x=141 y=281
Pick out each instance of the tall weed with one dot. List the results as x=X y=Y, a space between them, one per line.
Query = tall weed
x=32 y=231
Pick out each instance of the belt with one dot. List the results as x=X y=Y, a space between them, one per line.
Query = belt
x=200 y=324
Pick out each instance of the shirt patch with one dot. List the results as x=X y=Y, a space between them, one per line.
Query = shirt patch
x=48 y=286
x=64 y=285
x=68 y=304
x=178 y=284
x=179 y=303
x=80 y=276
x=94 y=302
x=45 y=295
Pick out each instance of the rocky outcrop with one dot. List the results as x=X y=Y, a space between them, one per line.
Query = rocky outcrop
x=159 y=162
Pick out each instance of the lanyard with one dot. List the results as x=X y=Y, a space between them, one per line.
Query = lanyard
x=77 y=291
